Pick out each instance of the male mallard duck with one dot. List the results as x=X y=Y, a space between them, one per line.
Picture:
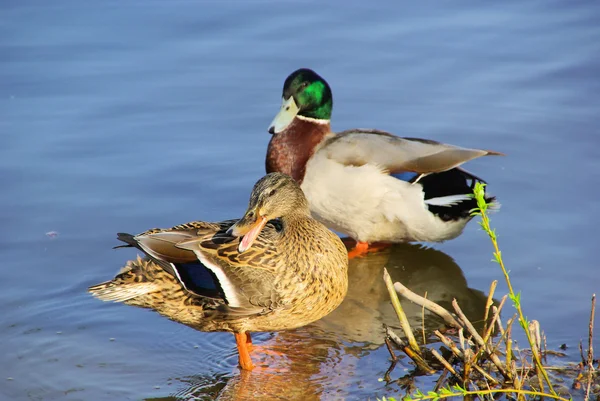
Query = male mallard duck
x=275 y=269
x=369 y=184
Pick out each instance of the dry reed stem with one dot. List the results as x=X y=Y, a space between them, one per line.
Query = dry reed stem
x=461 y=340
x=417 y=358
x=444 y=362
x=422 y=319
x=498 y=321
x=427 y=304
x=488 y=304
x=400 y=312
x=590 y=353
x=502 y=339
x=509 y=346
x=390 y=350
x=494 y=358
x=394 y=337
x=422 y=365
x=462 y=356
x=450 y=344
x=440 y=381
x=545 y=353
x=534 y=332
x=487 y=333
x=486 y=375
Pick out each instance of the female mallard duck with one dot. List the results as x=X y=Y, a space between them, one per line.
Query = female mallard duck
x=275 y=269
x=369 y=184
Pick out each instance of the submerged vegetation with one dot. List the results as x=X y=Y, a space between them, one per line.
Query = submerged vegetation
x=486 y=363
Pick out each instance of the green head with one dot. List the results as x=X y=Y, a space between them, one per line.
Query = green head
x=305 y=94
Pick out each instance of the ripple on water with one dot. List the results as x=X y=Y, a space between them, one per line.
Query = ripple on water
x=134 y=350
x=113 y=111
x=67 y=343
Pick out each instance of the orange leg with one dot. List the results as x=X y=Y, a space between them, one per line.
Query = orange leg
x=348 y=242
x=249 y=342
x=242 y=340
x=362 y=248
x=245 y=347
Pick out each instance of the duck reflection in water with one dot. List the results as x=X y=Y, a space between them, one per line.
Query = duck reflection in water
x=323 y=360
x=329 y=360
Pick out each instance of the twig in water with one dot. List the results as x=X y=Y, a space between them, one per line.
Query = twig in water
x=440 y=381
x=417 y=358
x=422 y=319
x=460 y=355
x=390 y=350
x=487 y=333
x=400 y=312
x=499 y=321
x=509 y=347
x=427 y=304
x=444 y=362
x=534 y=332
x=388 y=372
x=583 y=359
x=545 y=354
x=450 y=344
x=494 y=358
x=488 y=305
x=393 y=336
x=590 y=353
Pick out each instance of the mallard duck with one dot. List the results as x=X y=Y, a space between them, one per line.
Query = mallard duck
x=275 y=269
x=368 y=184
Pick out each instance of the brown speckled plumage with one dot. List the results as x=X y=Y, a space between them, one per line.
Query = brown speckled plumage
x=294 y=273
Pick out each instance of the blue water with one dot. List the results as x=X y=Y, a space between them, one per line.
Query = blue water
x=121 y=116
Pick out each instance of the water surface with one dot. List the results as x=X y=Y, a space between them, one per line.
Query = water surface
x=121 y=116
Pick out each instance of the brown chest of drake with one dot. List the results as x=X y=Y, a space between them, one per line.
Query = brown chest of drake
x=289 y=150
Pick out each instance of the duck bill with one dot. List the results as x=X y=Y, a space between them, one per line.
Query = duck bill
x=286 y=115
x=250 y=232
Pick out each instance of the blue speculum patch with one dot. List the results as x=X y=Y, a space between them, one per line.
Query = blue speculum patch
x=405 y=176
x=198 y=278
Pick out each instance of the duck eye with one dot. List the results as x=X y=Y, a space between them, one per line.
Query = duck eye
x=250 y=213
x=273 y=192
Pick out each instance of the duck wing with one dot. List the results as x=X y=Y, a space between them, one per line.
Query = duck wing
x=248 y=279
x=160 y=246
x=205 y=260
x=395 y=154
